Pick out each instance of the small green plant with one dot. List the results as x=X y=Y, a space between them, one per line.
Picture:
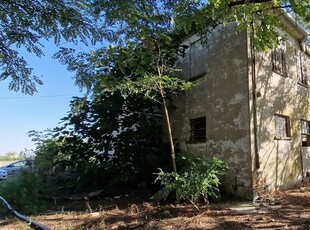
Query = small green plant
x=199 y=177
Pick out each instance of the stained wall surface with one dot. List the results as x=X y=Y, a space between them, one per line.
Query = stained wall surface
x=285 y=95
x=219 y=68
x=240 y=92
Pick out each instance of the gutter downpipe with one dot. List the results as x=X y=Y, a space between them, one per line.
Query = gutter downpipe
x=254 y=95
x=304 y=49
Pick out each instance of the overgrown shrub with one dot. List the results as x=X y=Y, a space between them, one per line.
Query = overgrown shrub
x=111 y=143
x=24 y=192
x=198 y=177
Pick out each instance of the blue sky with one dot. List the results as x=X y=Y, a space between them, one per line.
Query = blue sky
x=21 y=113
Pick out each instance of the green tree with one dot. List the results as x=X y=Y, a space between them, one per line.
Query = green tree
x=12 y=156
x=114 y=139
x=265 y=12
x=24 y=24
x=145 y=41
x=201 y=16
x=140 y=63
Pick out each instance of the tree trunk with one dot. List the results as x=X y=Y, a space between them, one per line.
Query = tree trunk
x=174 y=166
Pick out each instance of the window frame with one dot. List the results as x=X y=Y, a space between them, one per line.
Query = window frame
x=302 y=70
x=279 y=136
x=278 y=61
x=305 y=136
x=193 y=45
x=200 y=135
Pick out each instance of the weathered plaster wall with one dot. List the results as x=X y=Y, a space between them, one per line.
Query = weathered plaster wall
x=280 y=159
x=222 y=96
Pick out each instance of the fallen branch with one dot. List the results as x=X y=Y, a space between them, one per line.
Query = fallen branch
x=86 y=196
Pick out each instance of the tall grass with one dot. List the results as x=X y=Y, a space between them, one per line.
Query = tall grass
x=24 y=192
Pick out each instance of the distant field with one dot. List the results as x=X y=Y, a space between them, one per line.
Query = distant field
x=5 y=162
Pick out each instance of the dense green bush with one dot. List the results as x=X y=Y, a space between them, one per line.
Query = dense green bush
x=198 y=177
x=110 y=143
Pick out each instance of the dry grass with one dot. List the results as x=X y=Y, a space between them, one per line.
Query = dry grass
x=136 y=213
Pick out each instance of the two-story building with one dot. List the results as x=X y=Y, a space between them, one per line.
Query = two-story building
x=249 y=108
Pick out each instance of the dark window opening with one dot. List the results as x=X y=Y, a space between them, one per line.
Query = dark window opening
x=282 y=129
x=198 y=129
x=302 y=70
x=198 y=59
x=278 y=61
x=305 y=132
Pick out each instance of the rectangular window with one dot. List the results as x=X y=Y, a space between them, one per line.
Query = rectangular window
x=198 y=129
x=305 y=132
x=302 y=69
x=279 y=61
x=191 y=63
x=198 y=52
x=282 y=126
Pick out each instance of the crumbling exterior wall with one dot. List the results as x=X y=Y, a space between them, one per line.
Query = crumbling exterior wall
x=241 y=93
x=280 y=158
x=220 y=70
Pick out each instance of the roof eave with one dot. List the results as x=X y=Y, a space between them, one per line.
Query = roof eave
x=292 y=26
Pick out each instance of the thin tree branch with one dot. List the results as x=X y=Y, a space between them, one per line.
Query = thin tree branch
x=242 y=2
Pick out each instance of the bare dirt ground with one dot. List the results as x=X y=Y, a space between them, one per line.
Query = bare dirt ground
x=135 y=211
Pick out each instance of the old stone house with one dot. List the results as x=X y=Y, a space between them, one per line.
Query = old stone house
x=250 y=108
